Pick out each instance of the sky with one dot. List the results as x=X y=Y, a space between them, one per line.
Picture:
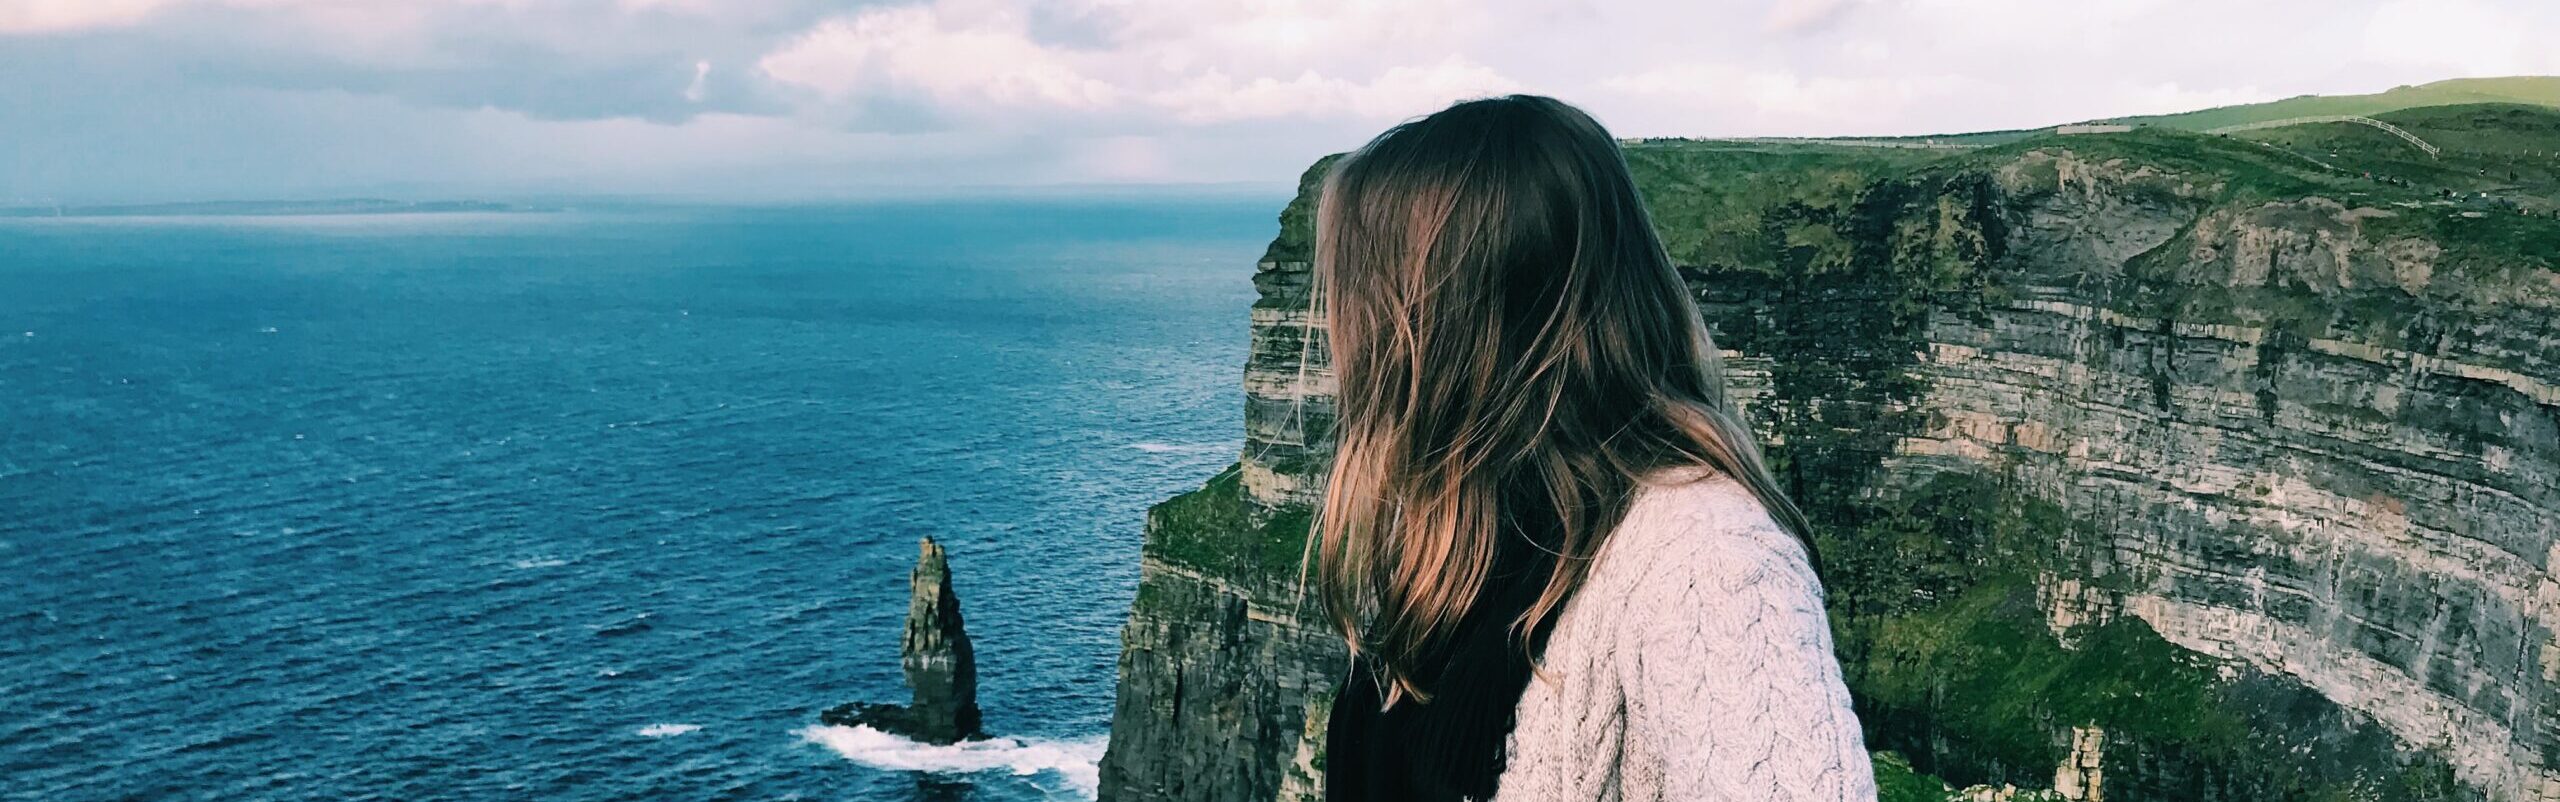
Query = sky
x=140 y=100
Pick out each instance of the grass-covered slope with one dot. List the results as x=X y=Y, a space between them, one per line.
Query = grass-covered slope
x=2531 y=90
x=2500 y=150
x=1708 y=197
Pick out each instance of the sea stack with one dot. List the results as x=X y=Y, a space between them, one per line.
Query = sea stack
x=942 y=671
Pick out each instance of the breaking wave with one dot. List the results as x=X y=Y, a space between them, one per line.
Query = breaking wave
x=1076 y=761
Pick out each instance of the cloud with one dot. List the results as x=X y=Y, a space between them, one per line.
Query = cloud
x=1145 y=62
x=1798 y=16
x=1759 y=102
x=1397 y=92
x=693 y=92
x=984 y=58
x=2466 y=37
x=59 y=16
x=2171 y=97
x=232 y=97
x=1126 y=158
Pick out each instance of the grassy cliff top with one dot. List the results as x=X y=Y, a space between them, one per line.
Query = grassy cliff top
x=2539 y=90
x=2503 y=149
x=2489 y=196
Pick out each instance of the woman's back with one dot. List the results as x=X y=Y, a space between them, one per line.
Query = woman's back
x=1694 y=664
x=1522 y=370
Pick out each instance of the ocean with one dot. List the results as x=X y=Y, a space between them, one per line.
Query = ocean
x=589 y=505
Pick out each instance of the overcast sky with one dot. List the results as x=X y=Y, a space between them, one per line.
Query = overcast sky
x=783 y=99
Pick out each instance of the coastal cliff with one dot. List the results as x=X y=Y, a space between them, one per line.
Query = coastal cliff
x=2150 y=465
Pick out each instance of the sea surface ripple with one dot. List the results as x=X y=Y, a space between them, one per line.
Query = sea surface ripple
x=591 y=505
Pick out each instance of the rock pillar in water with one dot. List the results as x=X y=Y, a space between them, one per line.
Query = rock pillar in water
x=941 y=669
x=942 y=673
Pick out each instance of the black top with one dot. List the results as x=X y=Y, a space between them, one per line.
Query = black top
x=1452 y=747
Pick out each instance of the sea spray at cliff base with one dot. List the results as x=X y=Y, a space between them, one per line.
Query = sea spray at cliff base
x=1071 y=761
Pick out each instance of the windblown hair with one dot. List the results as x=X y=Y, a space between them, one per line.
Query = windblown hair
x=1516 y=354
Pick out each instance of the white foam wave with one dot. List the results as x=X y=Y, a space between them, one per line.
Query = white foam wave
x=538 y=562
x=667 y=730
x=1076 y=761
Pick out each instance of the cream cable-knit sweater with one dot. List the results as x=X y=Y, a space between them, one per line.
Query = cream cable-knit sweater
x=1694 y=665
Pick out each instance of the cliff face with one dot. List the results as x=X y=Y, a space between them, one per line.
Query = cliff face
x=1218 y=677
x=2150 y=467
x=2309 y=456
x=1226 y=668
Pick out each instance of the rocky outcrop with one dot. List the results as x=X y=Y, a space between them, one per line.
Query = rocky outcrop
x=941 y=669
x=2148 y=469
x=2081 y=777
x=1220 y=661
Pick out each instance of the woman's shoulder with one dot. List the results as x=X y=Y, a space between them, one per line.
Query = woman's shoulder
x=1691 y=525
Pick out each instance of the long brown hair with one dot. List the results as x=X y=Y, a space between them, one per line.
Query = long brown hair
x=1511 y=340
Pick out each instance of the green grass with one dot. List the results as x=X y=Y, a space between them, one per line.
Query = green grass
x=2485 y=128
x=1896 y=781
x=1708 y=198
x=1211 y=530
x=2232 y=170
x=1794 y=213
x=2491 y=255
x=1949 y=654
x=2532 y=90
x=2529 y=90
x=2507 y=150
x=1297 y=239
x=1935 y=595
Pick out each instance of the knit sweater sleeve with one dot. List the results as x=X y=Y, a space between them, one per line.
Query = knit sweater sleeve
x=1731 y=680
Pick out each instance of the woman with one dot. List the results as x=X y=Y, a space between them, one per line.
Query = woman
x=1565 y=572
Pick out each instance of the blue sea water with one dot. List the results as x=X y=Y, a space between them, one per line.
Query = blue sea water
x=592 y=505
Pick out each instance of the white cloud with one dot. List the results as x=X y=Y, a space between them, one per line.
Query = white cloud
x=694 y=92
x=1398 y=92
x=1740 y=101
x=2467 y=37
x=599 y=92
x=983 y=55
x=1795 y=16
x=56 y=16
x=698 y=7
x=2171 y=98
x=1187 y=62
